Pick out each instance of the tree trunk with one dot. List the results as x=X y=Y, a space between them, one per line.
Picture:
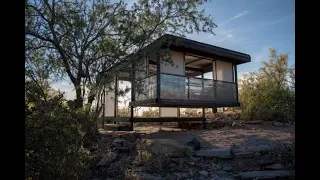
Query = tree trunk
x=79 y=98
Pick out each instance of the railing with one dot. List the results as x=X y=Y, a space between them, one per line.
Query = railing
x=185 y=88
x=189 y=88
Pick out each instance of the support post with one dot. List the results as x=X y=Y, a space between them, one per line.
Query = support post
x=116 y=95
x=103 y=106
x=133 y=93
x=236 y=82
x=203 y=109
x=158 y=75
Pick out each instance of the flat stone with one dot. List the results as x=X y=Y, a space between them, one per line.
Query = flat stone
x=227 y=168
x=192 y=163
x=131 y=136
x=123 y=149
x=213 y=176
x=191 y=173
x=216 y=166
x=257 y=149
x=185 y=175
x=279 y=124
x=266 y=174
x=126 y=144
x=109 y=157
x=118 y=140
x=266 y=160
x=244 y=155
x=275 y=167
x=168 y=147
x=178 y=175
x=204 y=173
x=214 y=153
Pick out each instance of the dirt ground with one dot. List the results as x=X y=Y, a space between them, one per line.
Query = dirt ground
x=249 y=135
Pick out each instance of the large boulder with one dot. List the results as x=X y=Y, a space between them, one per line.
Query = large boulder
x=168 y=147
x=214 y=153
x=256 y=149
x=266 y=174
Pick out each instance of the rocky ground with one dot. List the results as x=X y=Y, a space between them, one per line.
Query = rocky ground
x=229 y=153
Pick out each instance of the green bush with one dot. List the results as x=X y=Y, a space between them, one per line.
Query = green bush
x=267 y=94
x=54 y=135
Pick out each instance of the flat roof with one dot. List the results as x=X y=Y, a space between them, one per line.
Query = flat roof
x=198 y=48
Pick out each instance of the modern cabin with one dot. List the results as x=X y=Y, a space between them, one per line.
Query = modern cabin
x=174 y=72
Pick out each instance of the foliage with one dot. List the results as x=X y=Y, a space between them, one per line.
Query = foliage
x=151 y=112
x=267 y=94
x=87 y=40
x=54 y=135
x=153 y=162
x=124 y=112
x=191 y=112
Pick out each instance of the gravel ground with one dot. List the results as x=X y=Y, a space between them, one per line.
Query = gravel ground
x=249 y=135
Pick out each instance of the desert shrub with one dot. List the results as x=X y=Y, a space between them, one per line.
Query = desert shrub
x=191 y=112
x=151 y=112
x=285 y=154
x=153 y=163
x=54 y=135
x=267 y=94
x=124 y=112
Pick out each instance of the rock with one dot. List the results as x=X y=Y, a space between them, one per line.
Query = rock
x=202 y=178
x=178 y=175
x=116 y=144
x=275 y=167
x=126 y=144
x=266 y=160
x=279 y=124
x=256 y=149
x=222 y=173
x=213 y=176
x=119 y=140
x=214 y=153
x=243 y=155
x=176 y=160
x=191 y=173
x=192 y=163
x=123 y=149
x=215 y=166
x=227 y=168
x=204 y=173
x=138 y=141
x=131 y=136
x=223 y=178
x=149 y=177
x=109 y=157
x=169 y=147
x=185 y=175
x=194 y=143
x=266 y=174
x=257 y=155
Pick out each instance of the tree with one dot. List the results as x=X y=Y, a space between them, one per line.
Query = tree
x=266 y=93
x=86 y=39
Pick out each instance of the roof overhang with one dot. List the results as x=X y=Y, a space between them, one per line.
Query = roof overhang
x=193 y=47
